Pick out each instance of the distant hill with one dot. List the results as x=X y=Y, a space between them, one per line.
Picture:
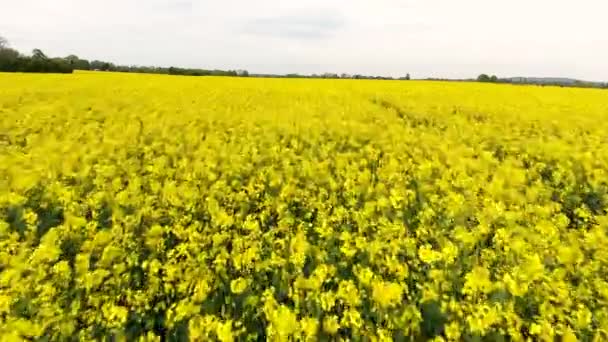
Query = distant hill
x=552 y=80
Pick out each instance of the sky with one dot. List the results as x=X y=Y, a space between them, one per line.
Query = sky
x=426 y=38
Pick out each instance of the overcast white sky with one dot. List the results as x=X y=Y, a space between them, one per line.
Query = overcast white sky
x=426 y=38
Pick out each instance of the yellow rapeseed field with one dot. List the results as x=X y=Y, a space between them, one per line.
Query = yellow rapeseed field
x=151 y=207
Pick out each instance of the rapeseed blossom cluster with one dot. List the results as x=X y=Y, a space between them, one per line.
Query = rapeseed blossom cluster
x=149 y=208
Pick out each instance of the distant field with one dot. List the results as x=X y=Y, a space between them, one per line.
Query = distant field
x=149 y=206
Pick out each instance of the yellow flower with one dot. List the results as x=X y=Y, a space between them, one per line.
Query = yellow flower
x=331 y=325
x=477 y=281
x=452 y=331
x=428 y=255
x=309 y=327
x=569 y=336
x=224 y=331
x=386 y=294
x=239 y=285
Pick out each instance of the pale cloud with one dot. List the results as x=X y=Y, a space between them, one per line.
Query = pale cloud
x=297 y=26
x=385 y=37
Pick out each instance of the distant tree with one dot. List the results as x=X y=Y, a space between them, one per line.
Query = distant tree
x=9 y=54
x=483 y=78
x=9 y=59
x=493 y=79
x=3 y=43
x=94 y=65
x=72 y=59
x=101 y=65
x=407 y=77
x=77 y=63
x=12 y=61
x=38 y=54
x=82 y=64
x=329 y=75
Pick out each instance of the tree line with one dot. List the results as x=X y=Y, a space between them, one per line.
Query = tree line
x=542 y=81
x=12 y=60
